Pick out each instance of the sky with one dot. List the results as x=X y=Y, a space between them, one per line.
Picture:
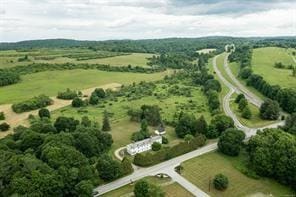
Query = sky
x=144 y=19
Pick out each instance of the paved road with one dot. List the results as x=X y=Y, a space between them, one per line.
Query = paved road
x=167 y=167
x=241 y=88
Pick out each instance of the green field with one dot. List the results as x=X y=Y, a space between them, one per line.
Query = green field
x=134 y=59
x=51 y=82
x=73 y=55
x=263 y=61
x=202 y=169
x=122 y=128
x=254 y=121
x=171 y=189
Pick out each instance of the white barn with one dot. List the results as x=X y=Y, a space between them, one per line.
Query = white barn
x=143 y=145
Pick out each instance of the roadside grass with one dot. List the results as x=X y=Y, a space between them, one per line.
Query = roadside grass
x=263 y=61
x=51 y=82
x=254 y=121
x=122 y=127
x=201 y=170
x=172 y=189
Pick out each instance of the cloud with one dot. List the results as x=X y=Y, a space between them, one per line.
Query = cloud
x=135 y=19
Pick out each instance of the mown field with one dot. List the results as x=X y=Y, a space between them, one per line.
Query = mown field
x=51 y=82
x=122 y=128
x=13 y=58
x=201 y=170
x=171 y=189
x=263 y=61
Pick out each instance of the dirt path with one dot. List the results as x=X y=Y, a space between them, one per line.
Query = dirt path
x=14 y=119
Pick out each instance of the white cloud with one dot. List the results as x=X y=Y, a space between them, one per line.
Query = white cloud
x=134 y=19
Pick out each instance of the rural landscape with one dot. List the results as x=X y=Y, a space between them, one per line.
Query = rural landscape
x=170 y=116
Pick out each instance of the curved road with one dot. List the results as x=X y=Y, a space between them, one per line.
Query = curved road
x=167 y=167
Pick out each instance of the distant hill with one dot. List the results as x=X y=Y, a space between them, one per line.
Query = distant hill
x=148 y=45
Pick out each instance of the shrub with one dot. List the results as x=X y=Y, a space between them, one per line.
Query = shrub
x=239 y=97
x=67 y=95
x=94 y=99
x=4 y=126
x=77 y=102
x=156 y=146
x=246 y=113
x=221 y=182
x=2 y=116
x=32 y=104
x=165 y=140
x=242 y=104
x=44 y=113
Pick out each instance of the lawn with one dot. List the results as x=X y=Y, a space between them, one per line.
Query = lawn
x=51 y=82
x=254 y=121
x=171 y=189
x=202 y=169
x=263 y=61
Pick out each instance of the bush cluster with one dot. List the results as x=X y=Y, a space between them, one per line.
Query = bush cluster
x=32 y=104
x=67 y=95
x=7 y=78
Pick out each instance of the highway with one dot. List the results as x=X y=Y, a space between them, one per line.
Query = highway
x=168 y=167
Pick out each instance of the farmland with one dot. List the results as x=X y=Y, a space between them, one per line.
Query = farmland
x=13 y=58
x=201 y=170
x=263 y=61
x=51 y=82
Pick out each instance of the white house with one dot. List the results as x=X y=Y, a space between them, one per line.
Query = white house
x=143 y=145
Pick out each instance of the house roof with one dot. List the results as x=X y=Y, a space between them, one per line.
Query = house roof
x=144 y=142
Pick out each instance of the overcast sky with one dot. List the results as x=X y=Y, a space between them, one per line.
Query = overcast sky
x=136 y=19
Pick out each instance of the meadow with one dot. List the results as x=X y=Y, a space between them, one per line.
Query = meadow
x=201 y=170
x=263 y=61
x=171 y=189
x=122 y=127
x=51 y=82
x=11 y=58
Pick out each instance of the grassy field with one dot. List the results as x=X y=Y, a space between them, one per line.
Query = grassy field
x=263 y=64
x=122 y=128
x=254 y=121
x=171 y=189
x=134 y=59
x=73 y=55
x=201 y=170
x=51 y=82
